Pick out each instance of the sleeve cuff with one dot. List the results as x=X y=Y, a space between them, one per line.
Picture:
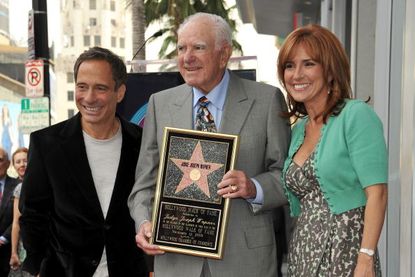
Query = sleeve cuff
x=259 y=199
x=2 y=238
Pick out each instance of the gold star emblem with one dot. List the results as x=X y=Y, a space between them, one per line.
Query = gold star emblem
x=195 y=170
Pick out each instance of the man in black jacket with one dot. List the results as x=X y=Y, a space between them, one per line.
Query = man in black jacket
x=7 y=185
x=75 y=220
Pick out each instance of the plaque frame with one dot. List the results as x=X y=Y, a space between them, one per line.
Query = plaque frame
x=189 y=217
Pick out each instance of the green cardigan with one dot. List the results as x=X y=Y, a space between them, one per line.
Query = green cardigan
x=350 y=156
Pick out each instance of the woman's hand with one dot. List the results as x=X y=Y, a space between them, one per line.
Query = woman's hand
x=14 y=261
x=365 y=266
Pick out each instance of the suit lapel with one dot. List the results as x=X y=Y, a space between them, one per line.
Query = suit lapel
x=237 y=107
x=7 y=193
x=73 y=146
x=180 y=109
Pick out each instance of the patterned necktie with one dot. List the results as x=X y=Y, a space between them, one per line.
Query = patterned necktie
x=204 y=119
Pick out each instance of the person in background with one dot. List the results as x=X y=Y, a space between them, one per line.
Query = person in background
x=7 y=186
x=6 y=134
x=337 y=167
x=75 y=220
x=18 y=254
x=19 y=162
x=236 y=106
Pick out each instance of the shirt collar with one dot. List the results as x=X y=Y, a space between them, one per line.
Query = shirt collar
x=216 y=96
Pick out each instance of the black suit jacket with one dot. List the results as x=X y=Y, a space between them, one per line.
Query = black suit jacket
x=62 y=224
x=6 y=219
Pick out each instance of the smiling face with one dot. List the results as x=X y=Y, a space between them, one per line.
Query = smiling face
x=20 y=163
x=201 y=61
x=96 y=96
x=304 y=79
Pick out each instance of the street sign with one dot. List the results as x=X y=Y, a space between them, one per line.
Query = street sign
x=31 y=35
x=34 y=78
x=34 y=114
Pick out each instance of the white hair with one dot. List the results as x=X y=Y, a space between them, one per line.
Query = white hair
x=223 y=32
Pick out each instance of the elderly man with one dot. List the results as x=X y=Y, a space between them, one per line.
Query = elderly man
x=75 y=220
x=7 y=185
x=236 y=106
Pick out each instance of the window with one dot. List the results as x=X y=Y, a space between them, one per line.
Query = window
x=71 y=113
x=70 y=95
x=69 y=77
x=72 y=41
x=97 y=40
x=93 y=21
x=113 y=23
x=87 y=40
x=92 y=4
x=122 y=42
x=113 y=42
x=112 y=5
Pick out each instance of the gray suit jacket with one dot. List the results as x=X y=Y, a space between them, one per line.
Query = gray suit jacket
x=252 y=111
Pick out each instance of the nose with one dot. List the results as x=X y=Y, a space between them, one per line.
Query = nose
x=188 y=56
x=298 y=72
x=89 y=95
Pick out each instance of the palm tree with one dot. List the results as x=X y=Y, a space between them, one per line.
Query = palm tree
x=173 y=12
x=138 y=28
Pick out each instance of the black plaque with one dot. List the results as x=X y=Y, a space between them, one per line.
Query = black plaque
x=189 y=216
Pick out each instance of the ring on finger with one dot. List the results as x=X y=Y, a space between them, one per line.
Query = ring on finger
x=234 y=188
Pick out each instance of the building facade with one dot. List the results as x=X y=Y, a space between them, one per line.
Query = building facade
x=4 y=21
x=85 y=24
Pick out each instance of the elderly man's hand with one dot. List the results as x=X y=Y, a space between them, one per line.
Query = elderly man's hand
x=142 y=240
x=236 y=184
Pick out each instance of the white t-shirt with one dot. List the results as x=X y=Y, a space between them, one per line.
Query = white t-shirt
x=104 y=158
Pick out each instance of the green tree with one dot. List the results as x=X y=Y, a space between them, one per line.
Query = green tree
x=173 y=12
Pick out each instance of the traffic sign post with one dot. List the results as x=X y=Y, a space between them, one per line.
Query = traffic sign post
x=34 y=78
x=34 y=115
x=37 y=76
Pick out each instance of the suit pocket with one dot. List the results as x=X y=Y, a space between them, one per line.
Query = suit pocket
x=259 y=236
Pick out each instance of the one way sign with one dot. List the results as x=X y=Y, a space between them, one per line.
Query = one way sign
x=34 y=78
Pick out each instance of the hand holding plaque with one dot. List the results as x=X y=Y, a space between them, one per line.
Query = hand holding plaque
x=236 y=184
x=142 y=239
x=189 y=214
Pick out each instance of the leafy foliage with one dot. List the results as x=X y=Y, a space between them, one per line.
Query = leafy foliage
x=173 y=12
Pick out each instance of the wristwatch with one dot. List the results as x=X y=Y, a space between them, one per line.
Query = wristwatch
x=369 y=252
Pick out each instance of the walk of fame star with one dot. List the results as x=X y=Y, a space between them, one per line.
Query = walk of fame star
x=195 y=170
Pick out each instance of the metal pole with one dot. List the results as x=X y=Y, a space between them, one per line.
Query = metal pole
x=41 y=42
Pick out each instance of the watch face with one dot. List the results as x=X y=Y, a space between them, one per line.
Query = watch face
x=368 y=252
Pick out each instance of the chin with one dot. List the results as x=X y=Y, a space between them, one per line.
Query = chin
x=191 y=82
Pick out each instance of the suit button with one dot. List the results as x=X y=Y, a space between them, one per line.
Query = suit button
x=94 y=262
x=107 y=227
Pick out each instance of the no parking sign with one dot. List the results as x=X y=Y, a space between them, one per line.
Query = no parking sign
x=34 y=78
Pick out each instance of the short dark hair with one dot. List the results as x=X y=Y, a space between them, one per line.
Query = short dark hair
x=118 y=68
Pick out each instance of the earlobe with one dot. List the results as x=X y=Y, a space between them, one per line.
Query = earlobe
x=121 y=93
x=226 y=54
